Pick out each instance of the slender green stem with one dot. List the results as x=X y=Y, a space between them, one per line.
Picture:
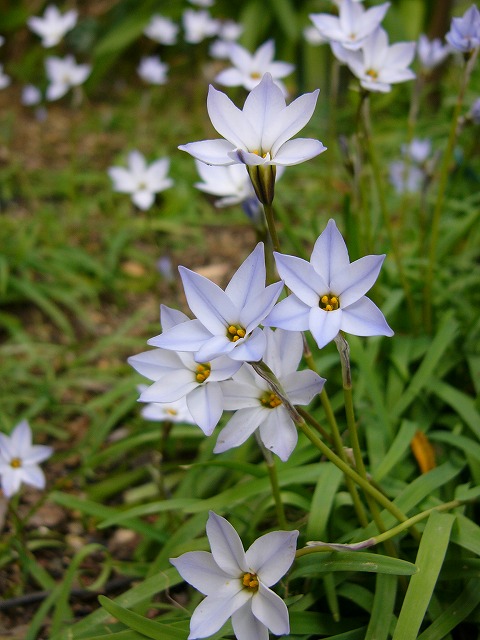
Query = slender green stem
x=272 y=229
x=443 y=179
x=383 y=210
x=382 y=537
x=272 y=474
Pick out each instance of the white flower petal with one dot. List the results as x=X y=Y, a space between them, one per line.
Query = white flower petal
x=155 y=363
x=21 y=437
x=238 y=395
x=11 y=482
x=246 y=626
x=291 y=120
x=291 y=314
x=271 y=610
x=229 y=120
x=352 y=282
x=249 y=279
x=302 y=386
x=230 y=77
x=199 y=569
x=214 y=347
x=330 y=253
x=278 y=433
x=143 y=199
x=226 y=546
x=260 y=306
x=37 y=453
x=212 y=613
x=171 y=387
x=122 y=179
x=169 y=317
x=210 y=151
x=280 y=343
x=364 y=318
x=271 y=556
x=301 y=278
x=223 y=368
x=33 y=475
x=297 y=151
x=263 y=104
x=251 y=349
x=187 y=336
x=324 y=325
x=239 y=428
x=205 y=403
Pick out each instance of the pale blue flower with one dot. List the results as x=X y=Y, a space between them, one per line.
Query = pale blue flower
x=227 y=321
x=464 y=34
x=237 y=583
x=328 y=292
x=257 y=407
x=431 y=53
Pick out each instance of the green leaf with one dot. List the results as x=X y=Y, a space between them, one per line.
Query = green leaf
x=397 y=450
x=148 y=628
x=431 y=553
x=351 y=561
x=329 y=478
x=464 y=405
x=381 y=617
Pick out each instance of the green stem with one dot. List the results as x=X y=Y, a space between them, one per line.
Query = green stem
x=272 y=474
x=444 y=173
x=272 y=229
x=382 y=537
x=383 y=210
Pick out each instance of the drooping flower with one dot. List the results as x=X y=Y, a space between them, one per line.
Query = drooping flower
x=328 y=292
x=151 y=69
x=53 y=25
x=431 y=53
x=198 y=25
x=176 y=411
x=63 y=74
x=177 y=375
x=464 y=34
x=162 y=30
x=227 y=321
x=260 y=133
x=256 y=406
x=377 y=64
x=248 y=69
x=19 y=460
x=353 y=25
x=141 y=181
x=237 y=583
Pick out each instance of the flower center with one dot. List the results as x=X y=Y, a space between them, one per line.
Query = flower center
x=15 y=463
x=174 y=412
x=235 y=332
x=250 y=581
x=372 y=73
x=255 y=75
x=202 y=371
x=270 y=400
x=329 y=302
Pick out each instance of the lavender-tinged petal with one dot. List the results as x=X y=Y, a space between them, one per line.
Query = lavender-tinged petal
x=240 y=156
x=11 y=482
x=297 y=151
x=289 y=122
x=199 y=569
x=21 y=437
x=155 y=363
x=330 y=253
x=354 y=281
x=284 y=351
x=271 y=610
x=272 y=555
x=205 y=403
x=263 y=104
x=230 y=77
x=170 y=317
x=171 y=387
x=302 y=386
x=324 y=325
x=251 y=349
x=291 y=314
x=301 y=278
x=210 y=151
x=259 y=306
x=212 y=613
x=278 y=433
x=249 y=279
x=123 y=179
x=37 y=453
x=238 y=395
x=226 y=546
x=34 y=476
x=364 y=318
x=229 y=120
x=187 y=336
x=223 y=368
x=246 y=626
x=215 y=347
x=239 y=428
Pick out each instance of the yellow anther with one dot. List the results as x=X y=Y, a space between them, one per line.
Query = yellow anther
x=172 y=412
x=334 y=300
x=372 y=73
x=235 y=332
x=15 y=463
x=241 y=333
x=328 y=307
x=324 y=299
x=270 y=400
x=255 y=75
x=250 y=581
x=329 y=302
x=232 y=330
x=202 y=371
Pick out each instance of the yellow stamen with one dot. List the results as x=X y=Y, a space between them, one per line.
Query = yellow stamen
x=255 y=75
x=372 y=73
x=270 y=400
x=15 y=463
x=329 y=302
x=202 y=371
x=172 y=412
x=250 y=581
x=235 y=332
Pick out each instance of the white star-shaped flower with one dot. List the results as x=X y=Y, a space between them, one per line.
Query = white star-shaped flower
x=260 y=133
x=377 y=64
x=227 y=321
x=162 y=30
x=152 y=70
x=256 y=406
x=141 y=181
x=237 y=583
x=248 y=69
x=431 y=53
x=19 y=460
x=53 y=26
x=328 y=292
x=63 y=74
x=176 y=411
x=198 y=25
x=353 y=25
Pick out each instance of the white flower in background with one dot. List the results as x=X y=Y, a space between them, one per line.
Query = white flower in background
x=328 y=292
x=260 y=133
x=198 y=25
x=256 y=406
x=237 y=583
x=313 y=37
x=431 y=53
x=176 y=412
x=152 y=70
x=63 y=74
x=419 y=150
x=162 y=30
x=353 y=25
x=229 y=32
x=31 y=95
x=231 y=182
x=406 y=177
x=19 y=460
x=140 y=180
x=464 y=34
x=4 y=79
x=203 y=3
x=248 y=69
x=377 y=64
x=178 y=375
x=53 y=25
x=227 y=321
